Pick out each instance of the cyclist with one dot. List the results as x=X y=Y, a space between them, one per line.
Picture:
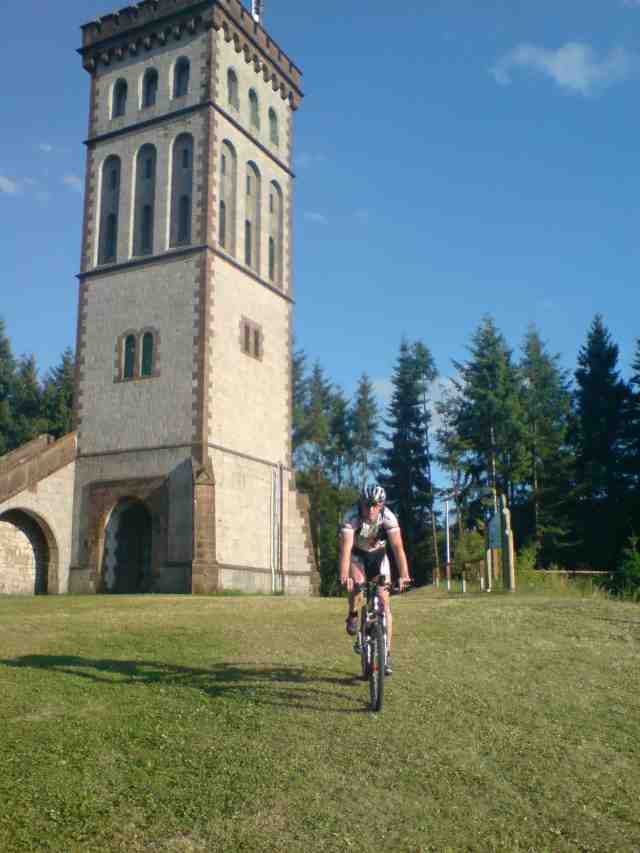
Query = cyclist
x=365 y=531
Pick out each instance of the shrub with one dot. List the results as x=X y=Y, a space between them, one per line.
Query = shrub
x=625 y=580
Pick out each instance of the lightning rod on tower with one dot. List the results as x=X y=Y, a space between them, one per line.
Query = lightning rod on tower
x=257 y=10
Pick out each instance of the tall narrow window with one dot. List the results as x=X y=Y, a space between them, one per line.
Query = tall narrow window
x=254 y=110
x=276 y=231
x=182 y=190
x=129 y=357
x=228 y=198
x=273 y=127
x=232 y=89
x=109 y=209
x=248 y=235
x=181 y=77
x=150 y=88
x=272 y=259
x=222 y=225
x=119 y=106
x=147 y=354
x=145 y=196
x=252 y=218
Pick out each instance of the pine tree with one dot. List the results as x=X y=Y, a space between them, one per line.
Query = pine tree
x=340 y=445
x=57 y=397
x=546 y=407
x=428 y=373
x=364 y=429
x=300 y=391
x=597 y=436
x=28 y=420
x=405 y=461
x=489 y=417
x=7 y=380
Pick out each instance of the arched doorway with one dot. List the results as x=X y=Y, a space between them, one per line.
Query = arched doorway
x=25 y=555
x=126 y=561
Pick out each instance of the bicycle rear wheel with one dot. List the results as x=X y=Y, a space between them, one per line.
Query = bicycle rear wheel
x=376 y=667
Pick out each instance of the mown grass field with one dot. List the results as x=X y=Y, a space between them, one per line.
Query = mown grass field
x=234 y=724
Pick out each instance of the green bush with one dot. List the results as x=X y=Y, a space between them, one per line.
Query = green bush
x=625 y=580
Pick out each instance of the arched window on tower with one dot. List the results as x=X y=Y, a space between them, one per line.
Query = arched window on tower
x=129 y=365
x=254 y=110
x=227 y=205
x=252 y=218
x=181 y=77
x=109 y=209
x=232 y=89
x=274 y=136
x=150 y=87
x=181 y=190
x=144 y=201
x=148 y=345
x=276 y=230
x=119 y=104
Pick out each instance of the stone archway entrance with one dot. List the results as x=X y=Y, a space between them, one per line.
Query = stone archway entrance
x=126 y=561
x=25 y=555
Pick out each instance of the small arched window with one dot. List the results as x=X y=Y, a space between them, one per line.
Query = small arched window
x=150 y=88
x=181 y=77
x=227 y=205
x=232 y=89
x=181 y=190
x=273 y=127
x=129 y=357
x=119 y=106
x=147 y=354
x=254 y=110
x=145 y=201
x=109 y=210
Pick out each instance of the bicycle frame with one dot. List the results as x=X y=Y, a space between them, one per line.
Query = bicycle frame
x=373 y=629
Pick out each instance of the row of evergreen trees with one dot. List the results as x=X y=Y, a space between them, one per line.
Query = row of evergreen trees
x=564 y=450
x=29 y=407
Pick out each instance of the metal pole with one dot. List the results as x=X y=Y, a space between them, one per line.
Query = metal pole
x=448 y=552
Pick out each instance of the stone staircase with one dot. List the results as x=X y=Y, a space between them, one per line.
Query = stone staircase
x=301 y=557
x=23 y=468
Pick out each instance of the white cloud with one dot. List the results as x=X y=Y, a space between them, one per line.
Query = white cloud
x=575 y=67
x=631 y=4
x=8 y=186
x=383 y=389
x=306 y=159
x=45 y=147
x=316 y=218
x=73 y=182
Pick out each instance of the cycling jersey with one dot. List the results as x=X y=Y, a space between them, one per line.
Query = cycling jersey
x=369 y=535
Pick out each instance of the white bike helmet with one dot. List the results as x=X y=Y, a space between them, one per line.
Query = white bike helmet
x=373 y=495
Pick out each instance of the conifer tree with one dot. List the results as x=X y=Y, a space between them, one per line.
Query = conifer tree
x=546 y=408
x=340 y=446
x=405 y=462
x=597 y=436
x=57 y=397
x=28 y=420
x=7 y=380
x=631 y=434
x=489 y=417
x=364 y=429
x=300 y=391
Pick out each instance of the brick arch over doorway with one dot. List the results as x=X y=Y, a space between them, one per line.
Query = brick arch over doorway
x=105 y=498
x=29 y=554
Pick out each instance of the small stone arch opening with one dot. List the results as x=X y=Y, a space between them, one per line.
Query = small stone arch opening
x=28 y=555
x=126 y=558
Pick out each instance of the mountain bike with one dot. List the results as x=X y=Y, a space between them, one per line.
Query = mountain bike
x=373 y=641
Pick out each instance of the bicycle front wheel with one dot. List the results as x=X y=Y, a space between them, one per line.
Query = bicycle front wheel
x=376 y=667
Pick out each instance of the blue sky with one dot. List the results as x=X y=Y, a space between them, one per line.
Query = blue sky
x=453 y=158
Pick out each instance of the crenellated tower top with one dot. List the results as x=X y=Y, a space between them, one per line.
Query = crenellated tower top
x=151 y=23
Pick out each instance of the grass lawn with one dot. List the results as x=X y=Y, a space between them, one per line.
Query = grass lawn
x=512 y=723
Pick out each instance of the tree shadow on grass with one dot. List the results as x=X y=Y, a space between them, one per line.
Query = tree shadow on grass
x=293 y=686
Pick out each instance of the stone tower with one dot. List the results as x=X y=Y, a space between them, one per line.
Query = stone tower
x=183 y=475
